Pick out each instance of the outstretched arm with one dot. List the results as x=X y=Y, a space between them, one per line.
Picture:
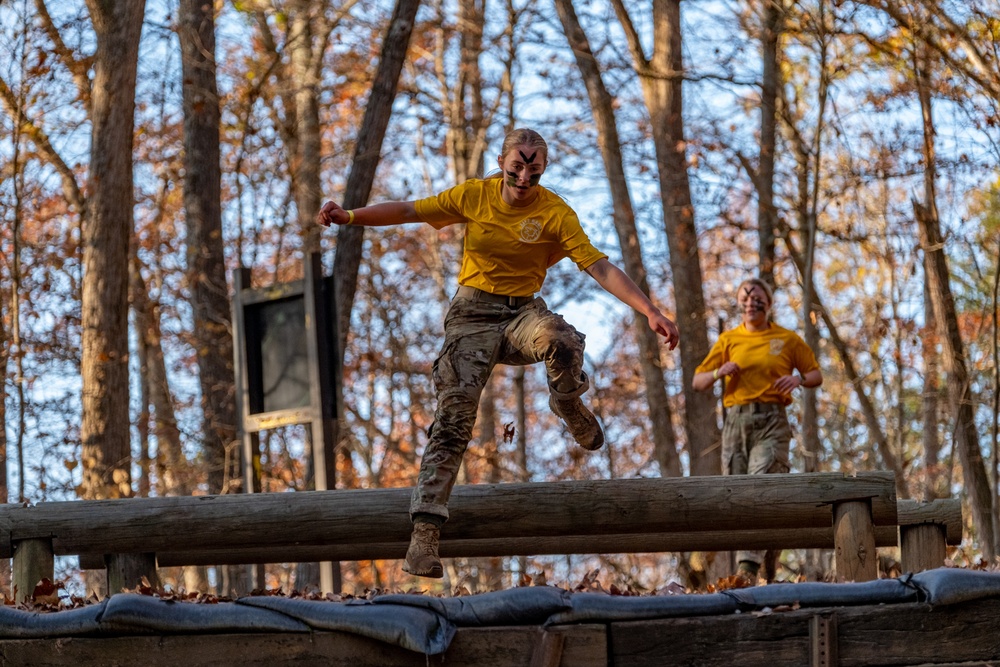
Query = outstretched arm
x=617 y=283
x=376 y=215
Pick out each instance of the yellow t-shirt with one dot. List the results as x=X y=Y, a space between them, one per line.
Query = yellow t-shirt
x=763 y=357
x=509 y=249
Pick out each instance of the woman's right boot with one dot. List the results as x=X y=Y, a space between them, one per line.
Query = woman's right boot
x=422 y=557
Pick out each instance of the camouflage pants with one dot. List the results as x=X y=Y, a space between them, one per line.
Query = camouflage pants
x=755 y=441
x=478 y=336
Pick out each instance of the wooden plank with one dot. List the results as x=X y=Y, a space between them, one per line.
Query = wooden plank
x=915 y=634
x=331 y=649
x=946 y=512
x=747 y=640
x=898 y=634
x=584 y=646
x=789 y=538
x=363 y=516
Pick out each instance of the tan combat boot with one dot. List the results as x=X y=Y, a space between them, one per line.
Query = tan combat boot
x=580 y=421
x=422 y=556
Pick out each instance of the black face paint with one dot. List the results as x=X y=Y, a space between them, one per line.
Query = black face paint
x=512 y=179
x=527 y=159
x=534 y=178
x=751 y=302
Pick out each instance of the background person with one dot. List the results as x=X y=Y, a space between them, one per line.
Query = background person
x=757 y=361
x=515 y=230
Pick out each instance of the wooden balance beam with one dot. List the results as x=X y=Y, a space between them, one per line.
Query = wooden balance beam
x=611 y=516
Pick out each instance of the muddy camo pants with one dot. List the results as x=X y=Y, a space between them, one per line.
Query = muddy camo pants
x=755 y=441
x=478 y=335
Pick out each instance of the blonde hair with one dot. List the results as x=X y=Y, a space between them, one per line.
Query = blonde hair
x=524 y=136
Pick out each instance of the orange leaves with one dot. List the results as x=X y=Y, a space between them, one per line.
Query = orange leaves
x=732 y=582
x=47 y=592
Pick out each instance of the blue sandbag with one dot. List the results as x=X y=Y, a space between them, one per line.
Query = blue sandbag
x=412 y=628
x=816 y=594
x=946 y=585
x=134 y=613
x=600 y=607
x=18 y=624
x=516 y=606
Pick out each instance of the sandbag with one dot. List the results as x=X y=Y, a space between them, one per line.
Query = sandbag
x=946 y=585
x=18 y=624
x=818 y=594
x=601 y=607
x=516 y=606
x=410 y=627
x=135 y=614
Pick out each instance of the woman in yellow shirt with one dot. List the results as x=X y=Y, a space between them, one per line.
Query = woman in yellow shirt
x=515 y=230
x=758 y=361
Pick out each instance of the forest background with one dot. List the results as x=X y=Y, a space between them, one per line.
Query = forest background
x=844 y=150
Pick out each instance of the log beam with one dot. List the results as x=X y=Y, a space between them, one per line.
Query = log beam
x=363 y=516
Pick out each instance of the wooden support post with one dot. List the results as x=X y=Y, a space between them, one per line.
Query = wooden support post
x=854 y=541
x=33 y=561
x=548 y=649
x=126 y=571
x=922 y=547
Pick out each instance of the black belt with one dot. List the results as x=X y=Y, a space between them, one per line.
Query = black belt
x=474 y=294
x=758 y=407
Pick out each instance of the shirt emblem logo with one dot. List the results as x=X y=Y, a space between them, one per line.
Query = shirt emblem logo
x=776 y=346
x=531 y=230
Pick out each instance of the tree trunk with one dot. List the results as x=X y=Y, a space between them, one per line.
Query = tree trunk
x=662 y=77
x=934 y=486
x=766 y=214
x=366 y=158
x=173 y=472
x=868 y=411
x=977 y=485
x=205 y=250
x=521 y=453
x=104 y=430
x=601 y=103
x=467 y=119
x=663 y=97
x=307 y=43
x=930 y=339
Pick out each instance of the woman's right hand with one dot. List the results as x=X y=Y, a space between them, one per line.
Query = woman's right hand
x=728 y=368
x=332 y=213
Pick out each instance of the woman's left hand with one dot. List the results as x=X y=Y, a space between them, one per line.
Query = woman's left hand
x=787 y=383
x=664 y=326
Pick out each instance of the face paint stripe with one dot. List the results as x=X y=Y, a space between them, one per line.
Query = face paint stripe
x=528 y=159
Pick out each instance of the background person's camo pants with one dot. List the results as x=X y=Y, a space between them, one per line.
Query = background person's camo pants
x=479 y=335
x=755 y=441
